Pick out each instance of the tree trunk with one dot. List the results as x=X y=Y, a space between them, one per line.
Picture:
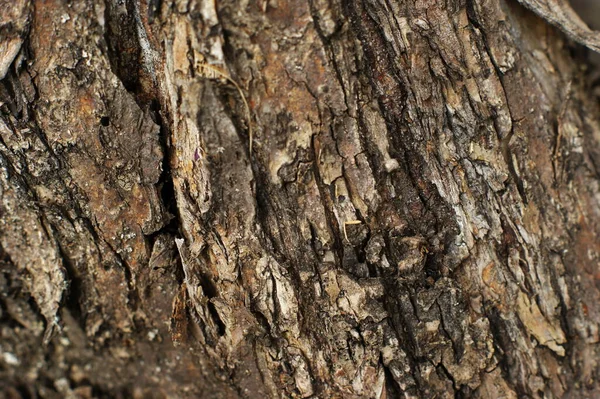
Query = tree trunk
x=323 y=198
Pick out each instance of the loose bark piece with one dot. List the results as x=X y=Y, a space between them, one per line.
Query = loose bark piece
x=14 y=24
x=560 y=14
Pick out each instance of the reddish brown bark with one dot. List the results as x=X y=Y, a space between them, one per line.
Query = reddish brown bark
x=297 y=199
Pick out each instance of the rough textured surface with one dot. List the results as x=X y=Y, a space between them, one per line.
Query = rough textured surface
x=417 y=215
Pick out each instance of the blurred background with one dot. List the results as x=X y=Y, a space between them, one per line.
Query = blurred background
x=589 y=11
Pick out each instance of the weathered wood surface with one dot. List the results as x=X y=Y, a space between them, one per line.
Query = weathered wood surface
x=276 y=198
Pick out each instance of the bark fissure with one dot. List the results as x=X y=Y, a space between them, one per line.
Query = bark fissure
x=402 y=214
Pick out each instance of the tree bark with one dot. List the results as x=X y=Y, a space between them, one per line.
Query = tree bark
x=323 y=198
